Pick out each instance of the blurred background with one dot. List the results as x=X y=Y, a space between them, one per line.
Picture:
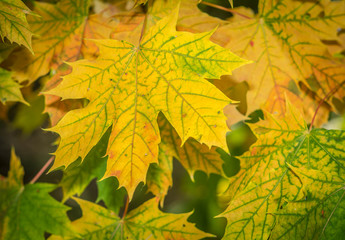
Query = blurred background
x=21 y=127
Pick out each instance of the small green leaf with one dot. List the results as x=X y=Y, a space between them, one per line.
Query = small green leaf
x=27 y=212
x=9 y=89
x=110 y=194
x=78 y=175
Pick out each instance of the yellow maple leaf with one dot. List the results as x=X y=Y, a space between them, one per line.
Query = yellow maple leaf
x=284 y=41
x=13 y=23
x=59 y=28
x=128 y=86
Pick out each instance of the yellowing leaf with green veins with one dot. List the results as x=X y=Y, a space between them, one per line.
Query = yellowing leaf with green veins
x=59 y=29
x=320 y=214
x=287 y=164
x=284 y=41
x=128 y=86
x=144 y=222
x=28 y=211
x=9 y=89
x=13 y=23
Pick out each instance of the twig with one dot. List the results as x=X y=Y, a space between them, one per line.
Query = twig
x=126 y=208
x=42 y=169
x=225 y=9
x=333 y=91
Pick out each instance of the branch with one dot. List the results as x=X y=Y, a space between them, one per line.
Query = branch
x=42 y=170
x=225 y=9
x=333 y=91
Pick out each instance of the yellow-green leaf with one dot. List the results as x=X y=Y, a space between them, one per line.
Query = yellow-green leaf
x=288 y=166
x=9 y=89
x=144 y=222
x=320 y=214
x=13 y=23
x=128 y=86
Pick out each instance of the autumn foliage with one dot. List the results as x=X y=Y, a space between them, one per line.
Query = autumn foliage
x=129 y=86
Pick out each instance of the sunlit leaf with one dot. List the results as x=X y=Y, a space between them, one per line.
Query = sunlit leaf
x=288 y=166
x=284 y=41
x=59 y=28
x=13 y=23
x=127 y=86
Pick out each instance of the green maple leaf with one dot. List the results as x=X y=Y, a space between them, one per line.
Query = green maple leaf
x=284 y=179
x=13 y=23
x=9 y=89
x=78 y=175
x=128 y=86
x=109 y=193
x=27 y=212
x=144 y=222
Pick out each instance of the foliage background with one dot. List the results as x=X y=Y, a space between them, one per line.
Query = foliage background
x=23 y=130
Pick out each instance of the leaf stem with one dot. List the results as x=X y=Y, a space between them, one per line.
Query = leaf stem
x=225 y=9
x=42 y=170
x=126 y=208
x=333 y=91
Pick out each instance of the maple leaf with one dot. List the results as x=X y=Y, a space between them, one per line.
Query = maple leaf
x=13 y=23
x=127 y=87
x=109 y=193
x=9 y=89
x=288 y=164
x=78 y=175
x=319 y=214
x=20 y=205
x=144 y=222
x=284 y=41
x=60 y=29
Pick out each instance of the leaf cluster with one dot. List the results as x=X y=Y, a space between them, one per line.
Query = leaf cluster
x=130 y=86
